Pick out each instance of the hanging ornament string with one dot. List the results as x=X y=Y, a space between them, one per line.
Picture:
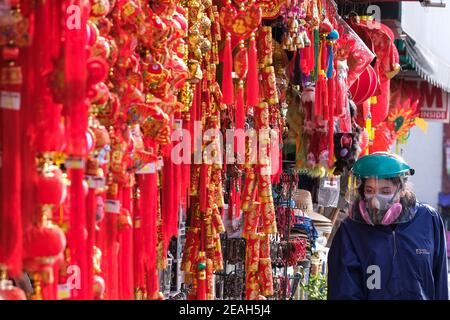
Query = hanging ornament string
x=10 y=214
x=15 y=35
x=241 y=24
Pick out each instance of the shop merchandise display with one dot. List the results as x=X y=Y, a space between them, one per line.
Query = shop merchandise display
x=117 y=177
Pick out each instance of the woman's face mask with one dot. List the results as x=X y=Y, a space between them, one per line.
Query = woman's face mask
x=381 y=204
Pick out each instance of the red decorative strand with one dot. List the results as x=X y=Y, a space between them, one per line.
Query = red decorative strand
x=227 y=74
x=252 y=75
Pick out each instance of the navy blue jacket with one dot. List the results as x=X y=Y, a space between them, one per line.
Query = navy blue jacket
x=411 y=257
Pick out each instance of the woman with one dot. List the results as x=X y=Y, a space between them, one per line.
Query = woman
x=390 y=246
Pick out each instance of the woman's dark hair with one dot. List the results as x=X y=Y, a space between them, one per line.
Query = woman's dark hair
x=407 y=197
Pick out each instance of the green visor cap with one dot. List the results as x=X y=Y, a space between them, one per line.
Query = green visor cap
x=381 y=165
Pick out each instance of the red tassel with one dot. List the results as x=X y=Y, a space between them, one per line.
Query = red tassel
x=152 y=284
x=149 y=195
x=10 y=210
x=193 y=113
x=168 y=205
x=329 y=96
x=76 y=110
x=138 y=240
x=331 y=142
x=240 y=112
x=78 y=228
x=28 y=169
x=91 y=207
x=227 y=75
x=179 y=191
x=48 y=288
x=126 y=249
x=318 y=98
x=324 y=56
x=109 y=255
x=324 y=96
x=252 y=75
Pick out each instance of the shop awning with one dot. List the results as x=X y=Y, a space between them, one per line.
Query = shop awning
x=429 y=66
x=426 y=42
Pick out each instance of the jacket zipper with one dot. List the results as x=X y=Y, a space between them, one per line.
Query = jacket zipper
x=395 y=243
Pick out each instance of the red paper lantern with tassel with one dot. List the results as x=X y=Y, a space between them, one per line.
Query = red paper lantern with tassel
x=365 y=86
x=51 y=189
x=43 y=244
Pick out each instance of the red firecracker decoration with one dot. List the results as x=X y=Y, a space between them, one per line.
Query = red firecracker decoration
x=201 y=280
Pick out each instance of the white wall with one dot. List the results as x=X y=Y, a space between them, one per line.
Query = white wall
x=424 y=153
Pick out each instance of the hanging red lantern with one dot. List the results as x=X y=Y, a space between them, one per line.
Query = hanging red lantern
x=97 y=71
x=365 y=86
x=51 y=189
x=43 y=244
